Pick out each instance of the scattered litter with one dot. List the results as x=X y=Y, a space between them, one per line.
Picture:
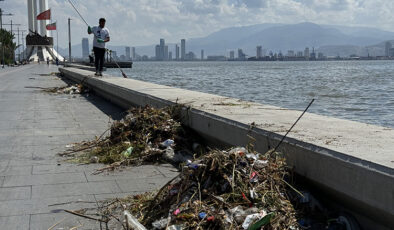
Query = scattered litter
x=202 y=215
x=49 y=74
x=127 y=152
x=133 y=222
x=175 y=227
x=160 y=224
x=176 y=212
x=145 y=135
x=71 y=89
x=236 y=188
x=167 y=143
x=197 y=199
x=251 y=219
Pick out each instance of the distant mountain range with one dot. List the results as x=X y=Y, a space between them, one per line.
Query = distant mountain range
x=329 y=39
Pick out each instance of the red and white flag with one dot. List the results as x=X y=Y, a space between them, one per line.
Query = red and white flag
x=51 y=26
x=46 y=15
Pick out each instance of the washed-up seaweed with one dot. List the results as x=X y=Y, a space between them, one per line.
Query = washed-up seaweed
x=144 y=135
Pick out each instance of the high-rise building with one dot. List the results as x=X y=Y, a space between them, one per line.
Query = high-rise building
x=232 y=55
x=306 y=53
x=300 y=54
x=387 y=48
x=162 y=47
x=202 y=54
x=170 y=56
x=133 y=54
x=161 y=51
x=259 y=52
x=85 y=47
x=183 y=49
x=313 y=54
x=158 y=53
x=127 y=51
x=177 y=52
x=165 y=53
x=241 y=55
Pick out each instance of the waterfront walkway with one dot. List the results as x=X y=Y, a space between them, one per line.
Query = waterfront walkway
x=35 y=186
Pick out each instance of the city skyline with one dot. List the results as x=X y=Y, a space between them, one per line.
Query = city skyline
x=149 y=20
x=271 y=37
x=164 y=53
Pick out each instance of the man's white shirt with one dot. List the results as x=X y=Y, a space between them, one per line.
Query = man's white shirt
x=102 y=33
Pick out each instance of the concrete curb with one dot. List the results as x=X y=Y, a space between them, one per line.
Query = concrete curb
x=361 y=183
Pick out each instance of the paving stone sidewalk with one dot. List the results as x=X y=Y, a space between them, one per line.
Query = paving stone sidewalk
x=34 y=126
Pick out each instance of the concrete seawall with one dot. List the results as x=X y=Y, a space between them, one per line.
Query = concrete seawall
x=352 y=161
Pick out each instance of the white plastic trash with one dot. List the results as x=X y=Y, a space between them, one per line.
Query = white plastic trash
x=167 y=143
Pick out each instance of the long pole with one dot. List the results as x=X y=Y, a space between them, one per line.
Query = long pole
x=78 y=12
x=57 y=43
x=23 y=47
x=69 y=39
x=2 y=42
x=13 y=52
x=19 y=49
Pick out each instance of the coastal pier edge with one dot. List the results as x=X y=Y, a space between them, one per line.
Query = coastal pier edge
x=335 y=154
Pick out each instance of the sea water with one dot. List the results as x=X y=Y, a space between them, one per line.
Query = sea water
x=354 y=90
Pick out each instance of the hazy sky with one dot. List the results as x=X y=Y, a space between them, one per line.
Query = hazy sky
x=143 y=22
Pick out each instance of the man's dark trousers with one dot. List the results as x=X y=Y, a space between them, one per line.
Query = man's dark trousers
x=99 y=54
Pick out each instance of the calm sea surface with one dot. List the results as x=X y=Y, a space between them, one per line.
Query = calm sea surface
x=355 y=90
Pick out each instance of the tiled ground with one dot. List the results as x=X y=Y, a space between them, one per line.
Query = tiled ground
x=34 y=126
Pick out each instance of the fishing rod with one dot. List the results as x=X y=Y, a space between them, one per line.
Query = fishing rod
x=110 y=51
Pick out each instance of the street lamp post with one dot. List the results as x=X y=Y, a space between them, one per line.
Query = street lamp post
x=23 y=46
x=19 y=50
x=69 y=39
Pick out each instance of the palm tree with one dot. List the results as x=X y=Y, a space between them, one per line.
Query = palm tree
x=7 y=46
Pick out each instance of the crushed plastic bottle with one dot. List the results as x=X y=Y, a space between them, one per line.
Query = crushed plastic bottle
x=127 y=152
x=252 y=218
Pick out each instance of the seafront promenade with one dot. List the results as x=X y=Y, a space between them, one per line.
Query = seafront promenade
x=35 y=185
x=351 y=162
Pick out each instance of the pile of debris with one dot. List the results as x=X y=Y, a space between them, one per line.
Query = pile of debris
x=145 y=135
x=217 y=189
x=234 y=189
x=70 y=89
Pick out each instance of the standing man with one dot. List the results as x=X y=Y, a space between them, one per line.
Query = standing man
x=101 y=36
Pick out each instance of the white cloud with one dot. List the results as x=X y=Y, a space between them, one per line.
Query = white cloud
x=139 y=22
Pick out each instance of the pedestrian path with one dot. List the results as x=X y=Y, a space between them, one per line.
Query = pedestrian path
x=35 y=185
